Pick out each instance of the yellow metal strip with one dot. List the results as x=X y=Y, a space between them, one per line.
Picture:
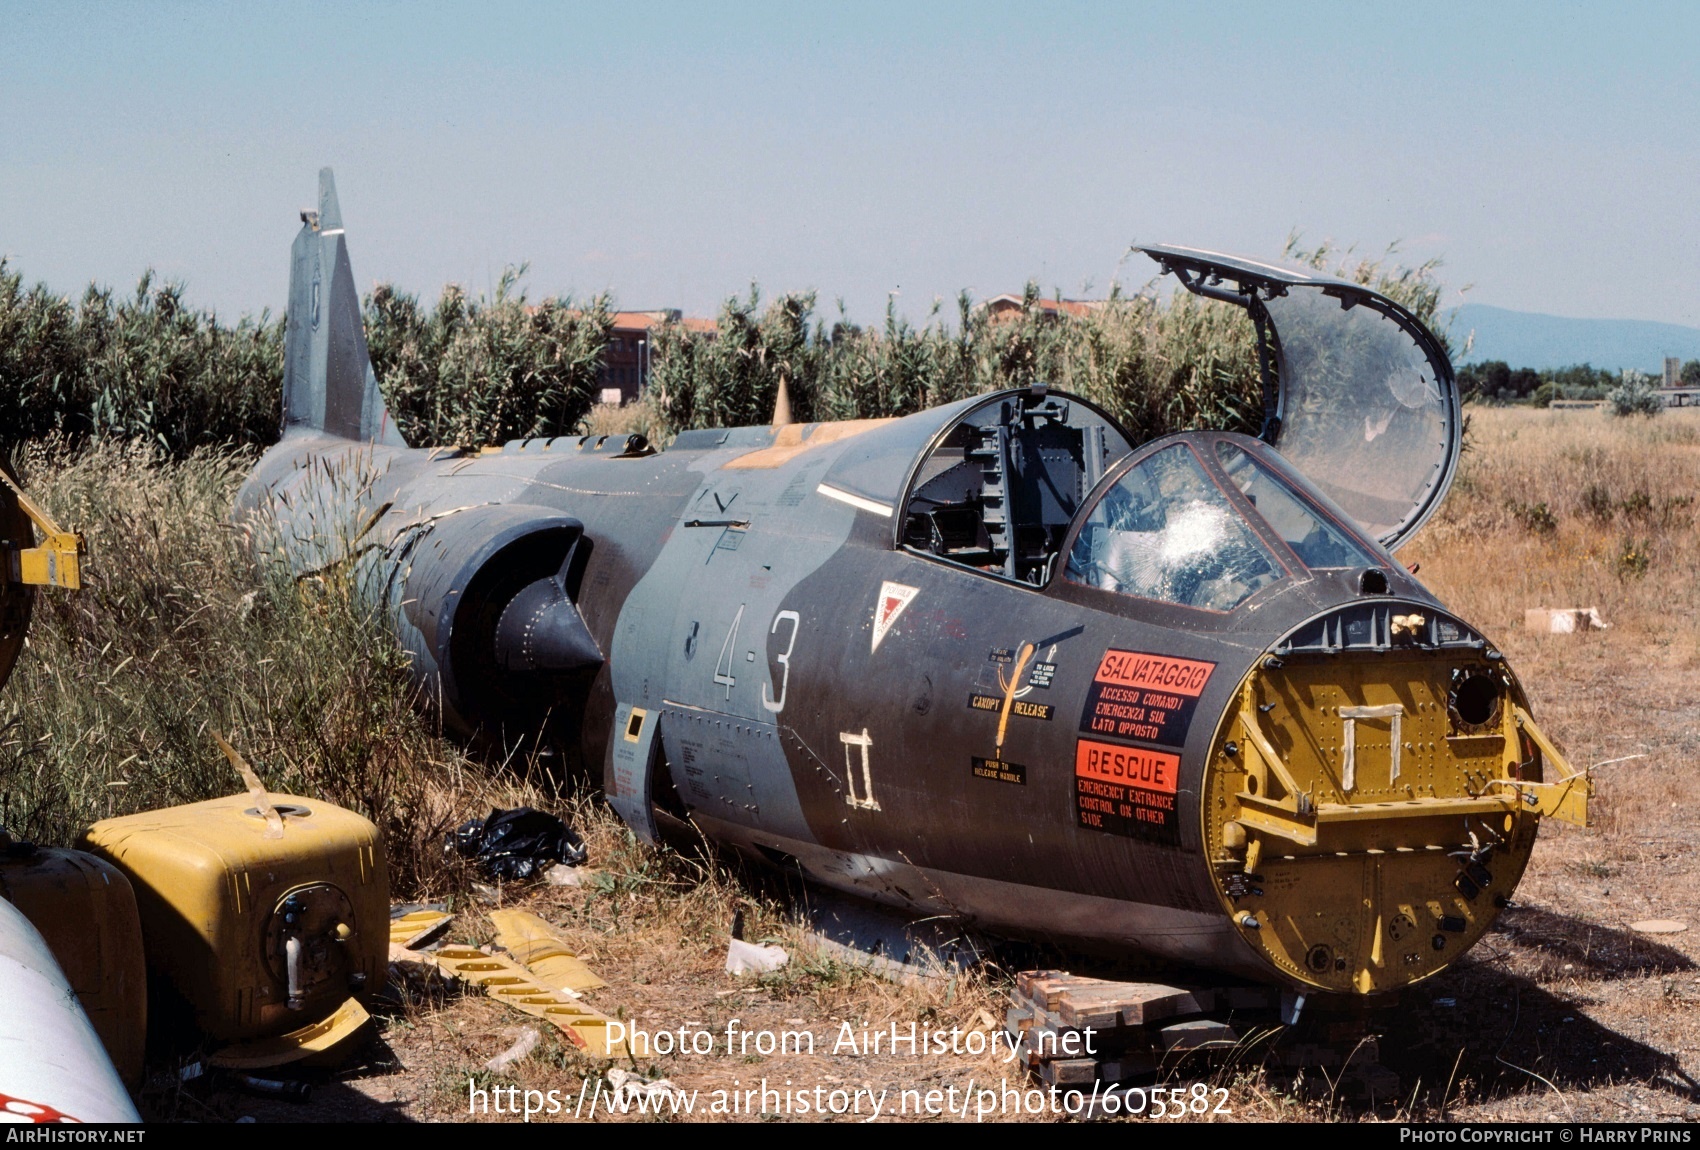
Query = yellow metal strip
x=508 y=982
x=416 y=926
x=1566 y=797
x=309 y=1041
x=1254 y=734
x=534 y=943
x=1272 y=818
x=1290 y=819
x=58 y=561
x=1414 y=809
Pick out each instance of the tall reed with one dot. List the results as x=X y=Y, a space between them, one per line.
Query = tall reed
x=473 y=371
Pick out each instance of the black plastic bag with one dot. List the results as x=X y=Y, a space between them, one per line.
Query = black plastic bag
x=519 y=843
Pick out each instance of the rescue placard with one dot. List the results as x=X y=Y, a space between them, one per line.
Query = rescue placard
x=1133 y=766
x=1146 y=697
x=1126 y=790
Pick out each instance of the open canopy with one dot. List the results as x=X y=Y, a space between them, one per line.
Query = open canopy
x=991 y=482
x=1358 y=394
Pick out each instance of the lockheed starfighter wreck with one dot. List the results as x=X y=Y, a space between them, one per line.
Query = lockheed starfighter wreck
x=994 y=659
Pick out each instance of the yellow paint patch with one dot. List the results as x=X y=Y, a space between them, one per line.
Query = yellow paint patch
x=794 y=439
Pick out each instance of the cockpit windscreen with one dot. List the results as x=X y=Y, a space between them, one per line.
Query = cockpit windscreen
x=1166 y=531
x=1317 y=543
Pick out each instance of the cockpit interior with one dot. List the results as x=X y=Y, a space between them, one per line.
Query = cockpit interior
x=1202 y=520
x=1000 y=488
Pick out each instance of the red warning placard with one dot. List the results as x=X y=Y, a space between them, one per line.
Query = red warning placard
x=1156 y=672
x=1126 y=790
x=1146 y=697
x=1132 y=766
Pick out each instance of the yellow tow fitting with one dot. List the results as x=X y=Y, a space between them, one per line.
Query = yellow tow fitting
x=57 y=562
x=1564 y=798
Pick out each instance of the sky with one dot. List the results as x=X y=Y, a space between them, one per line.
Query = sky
x=673 y=154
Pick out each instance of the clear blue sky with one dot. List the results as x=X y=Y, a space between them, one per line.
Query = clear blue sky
x=673 y=153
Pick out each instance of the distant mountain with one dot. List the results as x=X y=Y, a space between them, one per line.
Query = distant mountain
x=1526 y=339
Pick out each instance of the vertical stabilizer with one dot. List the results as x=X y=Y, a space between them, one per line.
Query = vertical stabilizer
x=328 y=384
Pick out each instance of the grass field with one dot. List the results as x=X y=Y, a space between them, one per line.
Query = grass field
x=1563 y=1011
x=1582 y=1016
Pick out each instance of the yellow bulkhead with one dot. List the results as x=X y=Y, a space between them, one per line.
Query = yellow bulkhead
x=1367 y=814
x=263 y=925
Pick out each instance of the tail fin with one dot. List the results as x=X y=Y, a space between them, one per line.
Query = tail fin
x=328 y=384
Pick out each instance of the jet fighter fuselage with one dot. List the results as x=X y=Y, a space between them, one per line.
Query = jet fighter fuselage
x=992 y=659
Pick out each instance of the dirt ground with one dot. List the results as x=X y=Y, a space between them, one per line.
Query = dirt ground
x=1563 y=1012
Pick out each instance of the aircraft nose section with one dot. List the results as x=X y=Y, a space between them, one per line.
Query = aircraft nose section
x=1369 y=797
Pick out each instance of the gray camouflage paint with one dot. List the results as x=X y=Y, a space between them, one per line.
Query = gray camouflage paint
x=738 y=685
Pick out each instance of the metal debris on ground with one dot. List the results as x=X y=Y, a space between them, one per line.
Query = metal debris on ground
x=508 y=982
x=545 y=953
x=311 y=1043
x=893 y=946
x=746 y=957
x=563 y=875
x=520 y=843
x=629 y=1087
x=1563 y=620
x=412 y=969
x=413 y=927
x=283 y=1088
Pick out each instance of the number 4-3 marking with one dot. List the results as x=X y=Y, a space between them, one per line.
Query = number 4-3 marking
x=725 y=678
x=791 y=617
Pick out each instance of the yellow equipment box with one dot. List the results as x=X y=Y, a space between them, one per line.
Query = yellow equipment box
x=85 y=910
x=263 y=924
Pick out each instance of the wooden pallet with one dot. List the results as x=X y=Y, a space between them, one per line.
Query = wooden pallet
x=1071 y=1030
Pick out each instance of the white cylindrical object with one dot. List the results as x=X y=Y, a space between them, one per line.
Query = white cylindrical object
x=51 y=1059
x=292 y=966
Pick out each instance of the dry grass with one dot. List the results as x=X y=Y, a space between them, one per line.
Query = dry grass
x=176 y=635
x=1575 y=508
x=1563 y=989
x=614 y=419
x=1581 y=509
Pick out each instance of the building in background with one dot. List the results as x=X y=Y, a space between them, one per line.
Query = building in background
x=1007 y=308
x=625 y=365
